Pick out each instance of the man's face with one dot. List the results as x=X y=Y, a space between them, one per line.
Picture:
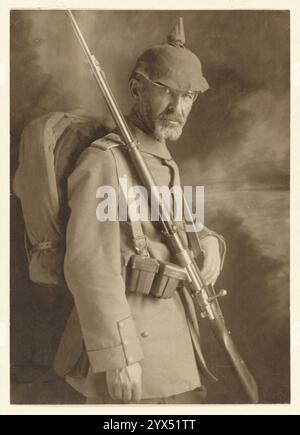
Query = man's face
x=164 y=110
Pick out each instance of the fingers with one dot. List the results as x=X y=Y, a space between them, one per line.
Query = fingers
x=114 y=385
x=137 y=393
x=126 y=393
x=212 y=260
x=135 y=375
x=215 y=277
x=117 y=394
x=120 y=392
x=125 y=385
x=132 y=393
x=210 y=270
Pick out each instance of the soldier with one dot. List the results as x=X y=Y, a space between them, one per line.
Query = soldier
x=121 y=344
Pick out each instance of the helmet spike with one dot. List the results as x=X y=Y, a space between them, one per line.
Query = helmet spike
x=177 y=35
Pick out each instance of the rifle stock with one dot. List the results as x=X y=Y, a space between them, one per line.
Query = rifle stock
x=224 y=338
x=203 y=296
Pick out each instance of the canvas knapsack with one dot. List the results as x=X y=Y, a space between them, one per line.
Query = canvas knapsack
x=49 y=149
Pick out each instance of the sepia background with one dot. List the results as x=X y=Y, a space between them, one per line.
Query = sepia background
x=236 y=144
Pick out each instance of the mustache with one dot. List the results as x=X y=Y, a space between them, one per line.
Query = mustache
x=165 y=117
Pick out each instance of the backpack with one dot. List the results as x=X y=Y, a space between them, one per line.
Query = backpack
x=49 y=148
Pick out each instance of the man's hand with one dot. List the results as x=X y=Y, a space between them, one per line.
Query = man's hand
x=125 y=384
x=212 y=259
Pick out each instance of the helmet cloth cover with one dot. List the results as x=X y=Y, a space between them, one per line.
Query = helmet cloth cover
x=173 y=65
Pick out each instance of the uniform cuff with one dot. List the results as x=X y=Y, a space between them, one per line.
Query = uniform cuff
x=126 y=353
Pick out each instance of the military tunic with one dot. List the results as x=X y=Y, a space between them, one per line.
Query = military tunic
x=120 y=328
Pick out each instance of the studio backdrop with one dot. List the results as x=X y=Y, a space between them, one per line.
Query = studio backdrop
x=235 y=144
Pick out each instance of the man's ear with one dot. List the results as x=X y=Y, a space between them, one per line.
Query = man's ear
x=135 y=88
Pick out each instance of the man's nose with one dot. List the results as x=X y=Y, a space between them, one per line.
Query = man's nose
x=176 y=104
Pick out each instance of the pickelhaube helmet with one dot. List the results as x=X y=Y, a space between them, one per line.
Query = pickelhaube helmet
x=171 y=64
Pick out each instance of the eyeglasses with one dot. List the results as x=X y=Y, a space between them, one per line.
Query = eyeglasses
x=166 y=90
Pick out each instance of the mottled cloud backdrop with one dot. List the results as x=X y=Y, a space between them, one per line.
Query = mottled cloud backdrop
x=236 y=144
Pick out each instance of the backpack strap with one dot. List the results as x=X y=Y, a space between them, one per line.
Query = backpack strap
x=108 y=142
x=113 y=143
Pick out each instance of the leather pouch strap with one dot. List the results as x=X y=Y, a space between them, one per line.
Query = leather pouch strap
x=138 y=236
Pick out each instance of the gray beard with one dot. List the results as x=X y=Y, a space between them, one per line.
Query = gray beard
x=163 y=133
x=161 y=130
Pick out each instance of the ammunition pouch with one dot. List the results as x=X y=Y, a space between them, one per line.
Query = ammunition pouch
x=142 y=273
x=150 y=277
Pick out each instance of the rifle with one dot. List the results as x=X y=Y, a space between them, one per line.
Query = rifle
x=204 y=296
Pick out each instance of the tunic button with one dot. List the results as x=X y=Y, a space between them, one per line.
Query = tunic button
x=125 y=342
x=130 y=359
x=121 y=325
x=145 y=334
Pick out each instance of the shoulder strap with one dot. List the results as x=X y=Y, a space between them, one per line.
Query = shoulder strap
x=113 y=143
x=108 y=142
